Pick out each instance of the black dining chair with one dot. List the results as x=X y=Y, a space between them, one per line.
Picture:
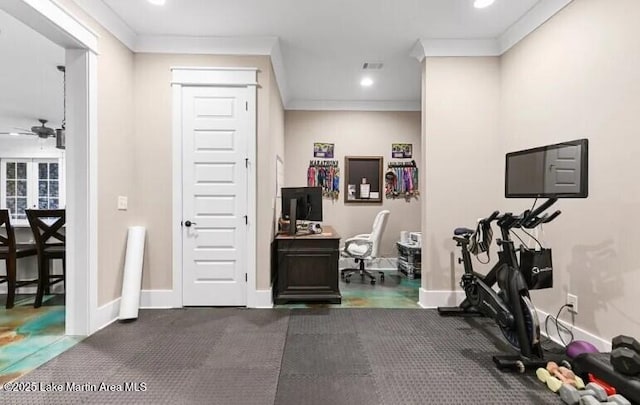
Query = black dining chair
x=10 y=252
x=50 y=244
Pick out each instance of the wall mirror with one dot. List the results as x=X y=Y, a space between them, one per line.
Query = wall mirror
x=363 y=179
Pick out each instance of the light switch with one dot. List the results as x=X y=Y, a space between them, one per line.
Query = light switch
x=122 y=202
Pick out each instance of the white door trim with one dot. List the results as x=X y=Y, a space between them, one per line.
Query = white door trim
x=80 y=44
x=211 y=76
x=54 y=22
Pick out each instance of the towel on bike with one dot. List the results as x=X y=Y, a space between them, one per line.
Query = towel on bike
x=481 y=239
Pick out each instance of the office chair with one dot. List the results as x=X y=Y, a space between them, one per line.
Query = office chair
x=365 y=247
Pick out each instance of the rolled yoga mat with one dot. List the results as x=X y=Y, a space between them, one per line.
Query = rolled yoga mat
x=132 y=280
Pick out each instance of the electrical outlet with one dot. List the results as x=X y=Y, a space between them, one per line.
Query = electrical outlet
x=573 y=300
x=122 y=203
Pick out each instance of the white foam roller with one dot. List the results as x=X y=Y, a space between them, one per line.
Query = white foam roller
x=132 y=280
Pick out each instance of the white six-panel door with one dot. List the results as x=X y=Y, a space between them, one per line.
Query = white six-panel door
x=215 y=129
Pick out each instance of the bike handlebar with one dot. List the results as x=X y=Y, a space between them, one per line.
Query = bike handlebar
x=491 y=217
x=530 y=215
x=528 y=219
x=535 y=221
x=553 y=216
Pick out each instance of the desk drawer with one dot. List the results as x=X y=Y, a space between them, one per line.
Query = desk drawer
x=308 y=244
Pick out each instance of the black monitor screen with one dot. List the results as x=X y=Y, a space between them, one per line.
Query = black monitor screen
x=552 y=171
x=309 y=206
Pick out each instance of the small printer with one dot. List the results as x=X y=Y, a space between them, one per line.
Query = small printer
x=415 y=238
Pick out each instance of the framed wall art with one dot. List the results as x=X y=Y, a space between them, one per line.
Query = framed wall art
x=323 y=150
x=401 y=150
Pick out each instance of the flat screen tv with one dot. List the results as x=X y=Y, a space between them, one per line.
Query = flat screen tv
x=553 y=171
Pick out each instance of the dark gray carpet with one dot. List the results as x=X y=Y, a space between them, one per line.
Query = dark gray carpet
x=287 y=356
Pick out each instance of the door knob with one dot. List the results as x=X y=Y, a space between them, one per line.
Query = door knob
x=188 y=223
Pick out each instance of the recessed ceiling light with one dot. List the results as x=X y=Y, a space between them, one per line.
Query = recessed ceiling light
x=482 y=3
x=157 y=2
x=366 y=82
x=14 y=134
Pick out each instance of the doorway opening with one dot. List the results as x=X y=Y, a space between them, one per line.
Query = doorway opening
x=37 y=175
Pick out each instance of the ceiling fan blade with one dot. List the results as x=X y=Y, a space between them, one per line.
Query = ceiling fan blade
x=16 y=133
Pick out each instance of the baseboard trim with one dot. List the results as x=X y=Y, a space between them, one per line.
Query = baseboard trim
x=434 y=299
x=578 y=334
x=163 y=299
x=110 y=312
x=263 y=299
x=156 y=299
x=106 y=315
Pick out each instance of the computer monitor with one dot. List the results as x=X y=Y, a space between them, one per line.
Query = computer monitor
x=551 y=171
x=301 y=203
x=308 y=203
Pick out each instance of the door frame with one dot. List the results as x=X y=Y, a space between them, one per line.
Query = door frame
x=81 y=49
x=213 y=77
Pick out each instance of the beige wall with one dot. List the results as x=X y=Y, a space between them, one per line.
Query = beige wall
x=463 y=172
x=116 y=155
x=578 y=76
x=355 y=133
x=134 y=155
x=153 y=171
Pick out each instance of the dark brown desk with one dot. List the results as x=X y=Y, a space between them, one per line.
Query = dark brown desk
x=307 y=268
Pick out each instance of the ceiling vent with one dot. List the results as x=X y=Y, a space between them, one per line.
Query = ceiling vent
x=372 y=66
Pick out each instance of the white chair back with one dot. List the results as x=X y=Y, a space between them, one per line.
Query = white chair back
x=378 y=229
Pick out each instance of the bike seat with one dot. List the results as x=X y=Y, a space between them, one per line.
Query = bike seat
x=463 y=231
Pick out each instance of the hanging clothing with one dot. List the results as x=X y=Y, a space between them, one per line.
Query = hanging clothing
x=401 y=181
x=325 y=175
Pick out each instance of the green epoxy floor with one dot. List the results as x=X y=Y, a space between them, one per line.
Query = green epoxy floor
x=397 y=291
x=29 y=337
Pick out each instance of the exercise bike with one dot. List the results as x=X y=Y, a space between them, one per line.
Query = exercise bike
x=511 y=306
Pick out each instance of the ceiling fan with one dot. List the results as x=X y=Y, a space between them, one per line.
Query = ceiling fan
x=41 y=130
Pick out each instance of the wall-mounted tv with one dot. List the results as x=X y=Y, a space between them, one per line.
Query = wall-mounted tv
x=553 y=171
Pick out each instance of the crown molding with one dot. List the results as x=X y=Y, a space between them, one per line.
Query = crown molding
x=353 y=105
x=111 y=21
x=529 y=22
x=268 y=45
x=204 y=45
x=534 y=18
x=418 y=51
x=455 y=47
